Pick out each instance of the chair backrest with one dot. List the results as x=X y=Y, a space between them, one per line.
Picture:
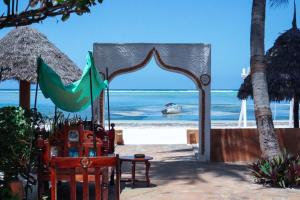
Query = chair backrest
x=87 y=144
x=107 y=137
x=73 y=138
x=111 y=138
x=74 y=141
x=85 y=166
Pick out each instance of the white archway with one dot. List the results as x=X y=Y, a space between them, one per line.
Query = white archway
x=191 y=60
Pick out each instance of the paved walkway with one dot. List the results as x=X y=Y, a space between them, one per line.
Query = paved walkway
x=176 y=175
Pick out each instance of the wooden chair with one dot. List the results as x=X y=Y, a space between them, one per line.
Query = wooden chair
x=86 y=167
x=82 y=142
x=59 y=145
x=107 y=137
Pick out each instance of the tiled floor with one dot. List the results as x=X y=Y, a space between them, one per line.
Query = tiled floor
x=176 y=175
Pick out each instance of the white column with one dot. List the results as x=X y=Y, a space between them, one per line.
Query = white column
x=243 y=113
x=207 y=122
x=207 y=125
x=241 y=116
x=200 y=139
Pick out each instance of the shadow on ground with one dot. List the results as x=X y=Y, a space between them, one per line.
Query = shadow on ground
x=178 y=163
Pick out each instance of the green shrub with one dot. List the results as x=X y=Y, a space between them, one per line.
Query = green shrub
x=15 y=134
x=6 y=194
x=281 y=171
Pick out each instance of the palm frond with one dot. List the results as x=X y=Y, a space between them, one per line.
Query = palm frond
x=276 y=3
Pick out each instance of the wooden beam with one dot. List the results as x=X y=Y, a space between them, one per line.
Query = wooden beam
x=24 y=94
x=102 y=108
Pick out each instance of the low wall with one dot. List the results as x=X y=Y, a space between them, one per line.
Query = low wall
x=231 y=145
x=192 y=136
x=119 y=137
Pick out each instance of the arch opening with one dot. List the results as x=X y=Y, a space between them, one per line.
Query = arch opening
x=190 y=60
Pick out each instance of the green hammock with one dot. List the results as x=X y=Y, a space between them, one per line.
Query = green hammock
x=75 y=96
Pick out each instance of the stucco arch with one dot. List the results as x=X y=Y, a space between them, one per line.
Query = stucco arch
x=191 y=60
x=154 y=53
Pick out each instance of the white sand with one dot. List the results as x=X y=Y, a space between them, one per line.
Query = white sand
x=157 y=132
x=154 y=135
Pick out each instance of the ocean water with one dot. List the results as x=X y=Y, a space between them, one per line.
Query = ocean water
x=146 y=105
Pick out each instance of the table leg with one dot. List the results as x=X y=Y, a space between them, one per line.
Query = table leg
x=105 y=183
x=120 y=169
x=112 y=177
x=40 y=188
x=147 y=172
x=133 y=172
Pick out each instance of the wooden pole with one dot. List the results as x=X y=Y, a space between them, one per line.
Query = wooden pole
x=24 y=94
x=102 y=109
x=32 y=134
x=108 y=108
x=92 y=108
x=55 y=117
x=296 y=112
x=291 y=116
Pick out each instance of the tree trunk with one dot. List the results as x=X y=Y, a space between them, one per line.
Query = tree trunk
x=267 y=136
x=296 y=112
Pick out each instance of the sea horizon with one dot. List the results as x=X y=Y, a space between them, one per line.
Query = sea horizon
x=212 y=90
x=142 y=105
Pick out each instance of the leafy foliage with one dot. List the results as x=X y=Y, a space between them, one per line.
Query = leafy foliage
x=15 y=133
x=281 y=171
x=60 y=120
x=6 y=194
x=21 y=14
x=276 y=3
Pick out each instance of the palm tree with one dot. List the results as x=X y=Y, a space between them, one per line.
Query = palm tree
x=267 y=136
x=282 y=70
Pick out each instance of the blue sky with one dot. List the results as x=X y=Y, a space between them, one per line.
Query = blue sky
x=223 y=24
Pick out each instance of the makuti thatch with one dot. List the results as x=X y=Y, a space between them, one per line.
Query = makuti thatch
x=19 y=50
x=283 y=70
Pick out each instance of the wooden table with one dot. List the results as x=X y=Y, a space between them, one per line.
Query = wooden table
x=134 y=160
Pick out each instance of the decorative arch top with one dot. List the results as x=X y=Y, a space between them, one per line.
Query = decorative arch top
x=192 y=60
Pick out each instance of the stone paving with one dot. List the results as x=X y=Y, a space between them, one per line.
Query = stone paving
x=176 y=175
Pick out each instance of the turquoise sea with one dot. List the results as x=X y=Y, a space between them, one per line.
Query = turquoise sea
x=137 y=105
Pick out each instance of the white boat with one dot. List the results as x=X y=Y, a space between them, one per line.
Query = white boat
x=171 y=108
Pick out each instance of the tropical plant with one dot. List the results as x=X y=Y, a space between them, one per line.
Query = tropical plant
x=16 y=139
x=56 y=122
x=14 y=133
x=6 y=194
x=280 y=171
x=21 y=13
x=263 y=115
x=59 y=120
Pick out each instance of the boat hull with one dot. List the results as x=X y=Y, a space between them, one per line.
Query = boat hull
x=172 y=110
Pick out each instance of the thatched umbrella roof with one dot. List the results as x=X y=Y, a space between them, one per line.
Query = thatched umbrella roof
x=19 y=50
x=283 y=68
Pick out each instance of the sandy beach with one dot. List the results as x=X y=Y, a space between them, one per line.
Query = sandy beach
x=158 y=132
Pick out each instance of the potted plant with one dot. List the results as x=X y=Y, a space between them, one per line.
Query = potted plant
x=15 y=134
